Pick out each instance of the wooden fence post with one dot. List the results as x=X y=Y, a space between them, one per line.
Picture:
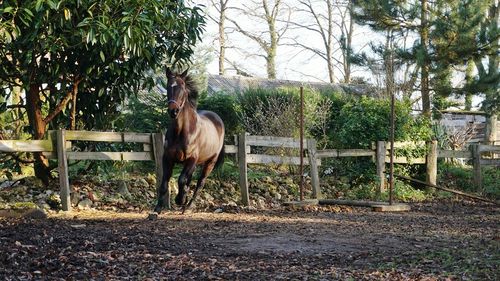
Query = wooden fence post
x=235 y=139
x=380 y=162
x=242 y=163
x=311 y=152
x=431 y=163
x=158 y=148
x=476 y=163
x=62 y=162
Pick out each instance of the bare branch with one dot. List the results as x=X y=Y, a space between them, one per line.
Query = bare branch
x=62 y=104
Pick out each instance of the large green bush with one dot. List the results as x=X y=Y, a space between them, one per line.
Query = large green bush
x=268 y=112
x=358 y=122
x=366 y=120
x=277 y=111
x=227 y=107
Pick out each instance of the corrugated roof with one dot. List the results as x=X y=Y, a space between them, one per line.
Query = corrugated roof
x=230 y=84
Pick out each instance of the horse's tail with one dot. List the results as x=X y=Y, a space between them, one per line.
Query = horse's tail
x=220 y=158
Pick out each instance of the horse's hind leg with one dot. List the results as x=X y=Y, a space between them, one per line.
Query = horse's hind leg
x=163 y=192
x=206 y=170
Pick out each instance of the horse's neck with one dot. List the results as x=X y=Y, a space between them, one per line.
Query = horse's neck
x=187 y=121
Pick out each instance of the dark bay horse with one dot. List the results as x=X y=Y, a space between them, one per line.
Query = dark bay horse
x=193 y=138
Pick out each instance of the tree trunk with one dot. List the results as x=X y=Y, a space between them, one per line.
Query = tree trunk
x=493 y=65
x=491 y=129
x=73 y=104
x=329 y=62
x=424 y=37
x=347 y=63
x=271 y=53
x=37 y=123
x=328 y=41
x=222 y=39
x=273 y=38
x=271 y=66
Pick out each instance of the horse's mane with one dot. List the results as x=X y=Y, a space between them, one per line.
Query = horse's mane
x=192 y=89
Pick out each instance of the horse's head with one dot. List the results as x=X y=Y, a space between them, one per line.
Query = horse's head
x=177 y=92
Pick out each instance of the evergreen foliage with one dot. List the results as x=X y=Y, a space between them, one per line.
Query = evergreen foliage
x=76 y=61
x=460 y=32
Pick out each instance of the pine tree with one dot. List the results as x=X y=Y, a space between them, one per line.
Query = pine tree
x=401 y=18
x=452 y=34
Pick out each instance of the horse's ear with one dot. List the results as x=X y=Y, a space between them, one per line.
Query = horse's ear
x=184 y=74
x=168 y=72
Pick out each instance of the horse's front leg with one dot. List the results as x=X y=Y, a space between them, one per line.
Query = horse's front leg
x=185 y=180
x=163 y=191
x=206 y=170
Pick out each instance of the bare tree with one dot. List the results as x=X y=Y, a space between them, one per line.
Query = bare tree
x=425 y=65
x=331 y=21
x=221 y=6
x=274 y=15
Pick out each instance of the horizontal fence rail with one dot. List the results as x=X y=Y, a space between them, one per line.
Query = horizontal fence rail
x=108 y=136
x=337 y=153
x=26 y=146
x=270 y=141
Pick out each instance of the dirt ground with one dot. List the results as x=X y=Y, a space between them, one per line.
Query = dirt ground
x=434 y=241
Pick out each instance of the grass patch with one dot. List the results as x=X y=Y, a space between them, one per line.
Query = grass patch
x=461 y=178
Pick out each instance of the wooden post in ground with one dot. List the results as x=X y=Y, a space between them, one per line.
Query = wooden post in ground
x=380 y=162
x=242 y=163
x=62 y=162
x=476 y=163
x=313 y=164
x=235 y=138
x=431 y=163
x=158 y=148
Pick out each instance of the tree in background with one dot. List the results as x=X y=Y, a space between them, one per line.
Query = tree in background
x=221 y=6
x=449 y=35
x=488 y=77
x=273 y=16
x=61 y=53
x=391 y=71
x=396 y=16
x=465 y=36
x=331 y=21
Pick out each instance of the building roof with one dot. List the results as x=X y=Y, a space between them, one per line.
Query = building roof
x=231 y=84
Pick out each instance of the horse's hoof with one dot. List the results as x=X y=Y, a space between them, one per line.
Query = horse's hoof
x=158 y=209
x=153 y=216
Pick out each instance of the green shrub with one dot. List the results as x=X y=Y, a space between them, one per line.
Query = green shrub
x=226 y=107
x=367 y=120
x=405 y=193
x=461 y=178
x=268 y=112
x=491 y=181
x=276 y=112
x=360 y=122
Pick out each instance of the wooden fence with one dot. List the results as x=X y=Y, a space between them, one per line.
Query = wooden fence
x=379 y=153
x=245 y=142
x=59 y=144
x=53 y=148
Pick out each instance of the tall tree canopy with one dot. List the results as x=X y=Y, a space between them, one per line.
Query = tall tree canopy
x=81 y=57
x=449 y=34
